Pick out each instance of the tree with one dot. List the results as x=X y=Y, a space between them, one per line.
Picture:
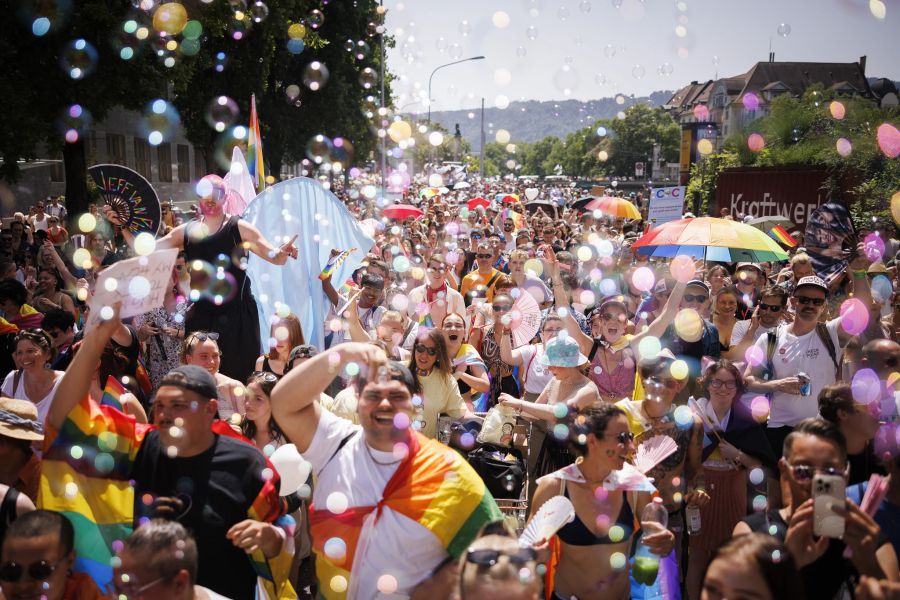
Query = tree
x=633 y=138
x=45 y=77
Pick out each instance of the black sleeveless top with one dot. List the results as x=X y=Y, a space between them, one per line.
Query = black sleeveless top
x=219 y=248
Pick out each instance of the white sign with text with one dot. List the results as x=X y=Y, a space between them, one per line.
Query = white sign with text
x=666 y=204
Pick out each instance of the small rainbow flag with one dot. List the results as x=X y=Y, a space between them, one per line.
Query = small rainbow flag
x=254 y=149
x=334 y=262
x=112 y=393
x=782 y=236
x=425 y=319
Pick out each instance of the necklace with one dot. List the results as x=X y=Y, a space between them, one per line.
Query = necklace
x=423 y=372
x=375 y=460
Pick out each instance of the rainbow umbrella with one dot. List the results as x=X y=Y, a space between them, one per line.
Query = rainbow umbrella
x=508 y=198
x=612 y=206
x=711 y=239
x=402 y=211
x=429 y=192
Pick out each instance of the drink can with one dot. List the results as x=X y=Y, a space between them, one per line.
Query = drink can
x=805 y=384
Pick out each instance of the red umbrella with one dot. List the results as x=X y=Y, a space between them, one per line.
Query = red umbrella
x=510 y=198
x=402 y=211
x=476 y=202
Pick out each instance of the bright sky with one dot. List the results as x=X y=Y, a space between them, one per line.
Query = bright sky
x=587 y=49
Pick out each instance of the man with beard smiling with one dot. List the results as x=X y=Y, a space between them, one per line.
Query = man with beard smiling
x=390 y=505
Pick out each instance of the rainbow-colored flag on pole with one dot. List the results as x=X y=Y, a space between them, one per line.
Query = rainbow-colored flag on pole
x=780 y=234
x=254 y=149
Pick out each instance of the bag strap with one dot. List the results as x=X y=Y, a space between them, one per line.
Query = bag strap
x=343 y=443
x=16 y=378
x=594 y=348
x=770 y=349
x=8 y=507
x=825 y=336
x=528 y=367
x=492 y=280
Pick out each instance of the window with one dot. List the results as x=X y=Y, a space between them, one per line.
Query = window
x=164 y=157
x=142 y=157
x=115 y=148
x=184 y=163
x=199 y=164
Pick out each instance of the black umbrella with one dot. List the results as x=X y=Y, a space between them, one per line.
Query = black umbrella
x=579 y=204
x=130 y=195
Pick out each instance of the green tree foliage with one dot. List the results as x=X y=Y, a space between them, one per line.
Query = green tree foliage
x=805 y=131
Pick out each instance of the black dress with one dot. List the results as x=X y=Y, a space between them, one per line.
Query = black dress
x=236 y=320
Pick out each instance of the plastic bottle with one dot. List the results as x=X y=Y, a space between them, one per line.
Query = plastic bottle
x=692 y=514
x=654 y=519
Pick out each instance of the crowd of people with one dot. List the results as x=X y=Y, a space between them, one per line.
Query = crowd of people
x=170 y=455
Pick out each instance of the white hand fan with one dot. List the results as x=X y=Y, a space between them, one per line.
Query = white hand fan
x=654 y=451
x=550 y=518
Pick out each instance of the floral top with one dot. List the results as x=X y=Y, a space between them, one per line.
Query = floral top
x=162 y=350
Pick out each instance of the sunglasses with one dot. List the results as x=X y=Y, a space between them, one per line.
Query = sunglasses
x=718 y=384
x=697 y=298
x=265 y=376
x=770 y=307
x=12 y=571
x=426 y=349
x=489 y=558
x=609 y=317
x=809 y=300
x=483 y=255
x=501 y=307
x=205 y=335
x=624 y=437
x=803 y=473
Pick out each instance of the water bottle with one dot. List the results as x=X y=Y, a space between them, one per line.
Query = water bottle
x=645 y=569
x=692 y=513
x=805 y=384
x=443 y=429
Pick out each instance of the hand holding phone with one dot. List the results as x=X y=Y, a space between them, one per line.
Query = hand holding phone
x=828 y=494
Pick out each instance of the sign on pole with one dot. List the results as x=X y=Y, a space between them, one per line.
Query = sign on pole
x=666 y=204
x=638 y=169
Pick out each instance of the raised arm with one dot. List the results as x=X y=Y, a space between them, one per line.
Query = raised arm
x=560 y=296
x=264 y=249
x=659 y=324
x=295 y=405
x=76 y=383
x=509 y=355
x=173 y=239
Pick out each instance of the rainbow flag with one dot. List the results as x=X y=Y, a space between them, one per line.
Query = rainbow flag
x=86 y=475
x=255 y=150
x=782 y=236
x=334 y=262
x=425 y=319
x=112 y=393
x=433 y=486
x=518 y=219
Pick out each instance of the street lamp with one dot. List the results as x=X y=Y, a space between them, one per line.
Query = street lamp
x=430 y=77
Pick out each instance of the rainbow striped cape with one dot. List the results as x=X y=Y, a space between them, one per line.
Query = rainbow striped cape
x=433 y=486
x=86 y=475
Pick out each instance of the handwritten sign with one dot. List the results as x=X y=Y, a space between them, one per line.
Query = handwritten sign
x=138 y=283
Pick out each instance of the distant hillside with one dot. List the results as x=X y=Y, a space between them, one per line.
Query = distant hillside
x=532 y=120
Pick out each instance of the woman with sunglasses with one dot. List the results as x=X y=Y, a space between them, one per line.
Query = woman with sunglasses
x=433 y=371
x=33 y=380
x=285 y=334
x=487 y=339
x=604 y=524
x=161 y=329
x=735 y=445
x=469 y=370
x=724 y=317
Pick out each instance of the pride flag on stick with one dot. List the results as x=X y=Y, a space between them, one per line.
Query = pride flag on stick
x=254 y=149
x=782 y=236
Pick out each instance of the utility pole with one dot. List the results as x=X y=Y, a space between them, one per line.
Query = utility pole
x=481 y=154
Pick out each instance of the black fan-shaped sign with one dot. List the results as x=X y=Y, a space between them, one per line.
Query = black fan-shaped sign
x=130 y=195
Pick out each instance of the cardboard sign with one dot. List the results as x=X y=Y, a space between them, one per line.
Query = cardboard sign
x=666 y=204
x=138 y=283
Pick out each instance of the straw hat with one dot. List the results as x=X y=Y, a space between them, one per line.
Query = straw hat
x=19 y=420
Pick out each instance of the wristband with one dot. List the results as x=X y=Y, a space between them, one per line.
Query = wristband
x=860 y=274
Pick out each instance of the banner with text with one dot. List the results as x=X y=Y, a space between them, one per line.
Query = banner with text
x=790 y=192
x=139 y=283
x=666 y=204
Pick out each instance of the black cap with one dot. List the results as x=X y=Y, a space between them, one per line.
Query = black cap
x=192 y=378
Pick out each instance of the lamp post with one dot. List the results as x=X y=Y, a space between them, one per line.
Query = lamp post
x=430 y=77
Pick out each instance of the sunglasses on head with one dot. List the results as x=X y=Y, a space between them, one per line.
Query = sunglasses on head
x=489 y=558
x=205 y=335
x=810 y=300
x=426 y=349
x=483 y=255
x=770 y=307
x=265 y=376
x=695 y=298
x=41 y=570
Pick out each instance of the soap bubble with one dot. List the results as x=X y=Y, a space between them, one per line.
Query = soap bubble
x=221 y=112
x=756 y=142
x=500 y=19
x=837 y=110
x=258 y=12
x=78 y=59
x=531 y=33
x=315 y=75
x=784 y=30
x=316 y=19
x=854 y=316
x=170 y=18
x=866 y=387
x=643 y=279
x=368 y=78
x=319 y=148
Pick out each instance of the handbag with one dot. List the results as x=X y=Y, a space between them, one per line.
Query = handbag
x=502 y=478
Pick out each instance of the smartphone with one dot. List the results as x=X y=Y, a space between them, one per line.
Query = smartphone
x=828 y=493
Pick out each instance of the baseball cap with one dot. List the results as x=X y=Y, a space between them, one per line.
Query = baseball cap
x=813 y=281
x=698 y=283
x=192 y=378
x=748 y=265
